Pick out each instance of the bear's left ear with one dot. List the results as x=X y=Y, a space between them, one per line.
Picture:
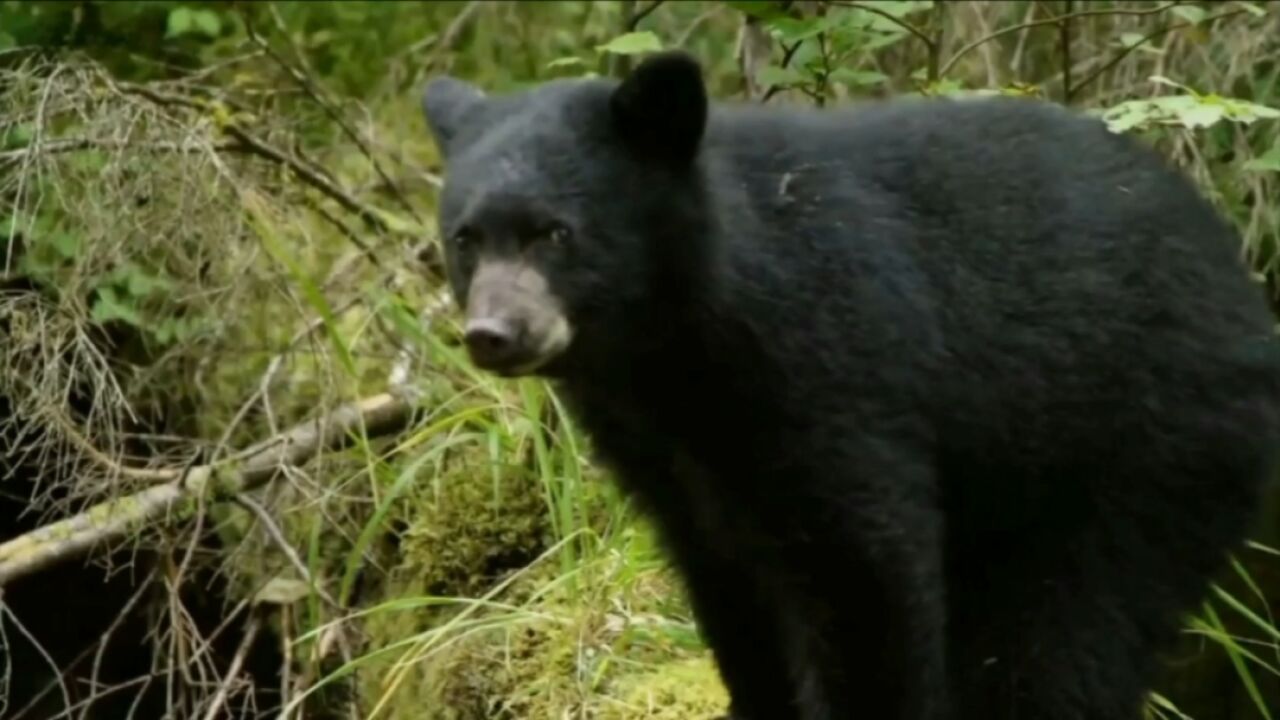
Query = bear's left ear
x=660 y=109
x=446 y=101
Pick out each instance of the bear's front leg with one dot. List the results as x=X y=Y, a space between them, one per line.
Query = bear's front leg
x=738 y=617
x=738 y=622
x=742 y=628
x=864 y=601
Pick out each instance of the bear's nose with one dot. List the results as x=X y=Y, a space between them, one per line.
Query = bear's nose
x=491 y=341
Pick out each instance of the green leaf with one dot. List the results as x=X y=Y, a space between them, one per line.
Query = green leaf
x=632 y=43
x=1248 y=112
x=1131 y=39
x=1267 y=162
x=944 y=87
x=1191 y=13
x=858 y=78
x=67 y=244
x=181 y=20
x=1202 y=115
x=17 y=136
x=207 y=22
x=7 y=41
x=786 y=29
x=1190 y=111
x=762 y=9
x=777 y=75
x=1162 y=80
x=565 y=62
x=141 y=284
x=108 y=307
x=903 y=8
x=282 y=591
x=1253 y=9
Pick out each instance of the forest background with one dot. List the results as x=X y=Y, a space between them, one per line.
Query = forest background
x=248 y=472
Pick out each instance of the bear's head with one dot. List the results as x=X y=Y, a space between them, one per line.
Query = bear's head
x=572 y=214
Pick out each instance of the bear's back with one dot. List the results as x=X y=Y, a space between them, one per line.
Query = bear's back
x=1048 y=274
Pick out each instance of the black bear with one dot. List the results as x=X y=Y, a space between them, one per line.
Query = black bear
x=943 y=408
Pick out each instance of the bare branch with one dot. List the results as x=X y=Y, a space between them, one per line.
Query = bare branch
x=1064 y=40
x=114 y=519
x=1127 y=50
x=252 y=144
x=277 y=536
x=237 y=662
x=923 y=36
x=636 y=19
x=1049 y=21
x=313 y=90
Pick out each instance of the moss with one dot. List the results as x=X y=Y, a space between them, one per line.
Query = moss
x=685 y=689
x=471 y=532
x=608 y=645
x=605 y=651
x=466 y=534
x=517 y=672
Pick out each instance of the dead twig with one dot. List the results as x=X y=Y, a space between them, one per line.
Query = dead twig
x=932 y=43
x=1065 y=17
x=5 y=611
x=237 y=662
x=317 y=95
x=1160 y=32
x=76 y=144
x=273 y=531
x=114 y=519
x=250 y=143
x=640 y=15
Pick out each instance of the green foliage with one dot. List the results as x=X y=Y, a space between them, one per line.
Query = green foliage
x=1190 y=110
x=185 y=20
x=519 y=580
x=632 y=43
x=1267 y=162
x=827 y=55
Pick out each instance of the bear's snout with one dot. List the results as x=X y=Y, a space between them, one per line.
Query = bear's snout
x=514 y=322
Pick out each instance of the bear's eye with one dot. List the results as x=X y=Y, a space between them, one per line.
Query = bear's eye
x=558 y=235
x=464 y=237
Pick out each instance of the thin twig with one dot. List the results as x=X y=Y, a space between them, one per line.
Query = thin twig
x=923 y=36
x=640 y=15
x=68 y=145
x=932 y=43
x=1049 y=21
x=106 y=637
x=274 y=532
x=101 y=644
x=1064 y=39
x=1127 y=50
x=313 y=90
x=450 y=36
x=237 y=662
x=252 y=144
x=618 y=64
x=695 y=24
x=40 y=649
x=787 y=54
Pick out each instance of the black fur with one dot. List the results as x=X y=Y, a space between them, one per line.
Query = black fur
x=945 y=409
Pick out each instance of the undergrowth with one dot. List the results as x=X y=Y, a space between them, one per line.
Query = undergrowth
x=200 y=258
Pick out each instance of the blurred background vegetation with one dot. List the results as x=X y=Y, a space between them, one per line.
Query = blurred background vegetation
x=216 y=220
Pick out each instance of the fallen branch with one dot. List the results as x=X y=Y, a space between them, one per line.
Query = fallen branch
x=114 y=519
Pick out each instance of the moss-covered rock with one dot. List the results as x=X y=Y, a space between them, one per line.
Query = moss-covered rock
x=470 y=531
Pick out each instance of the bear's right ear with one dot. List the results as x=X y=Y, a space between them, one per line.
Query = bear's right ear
x=660 y=109
x=446 y=101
